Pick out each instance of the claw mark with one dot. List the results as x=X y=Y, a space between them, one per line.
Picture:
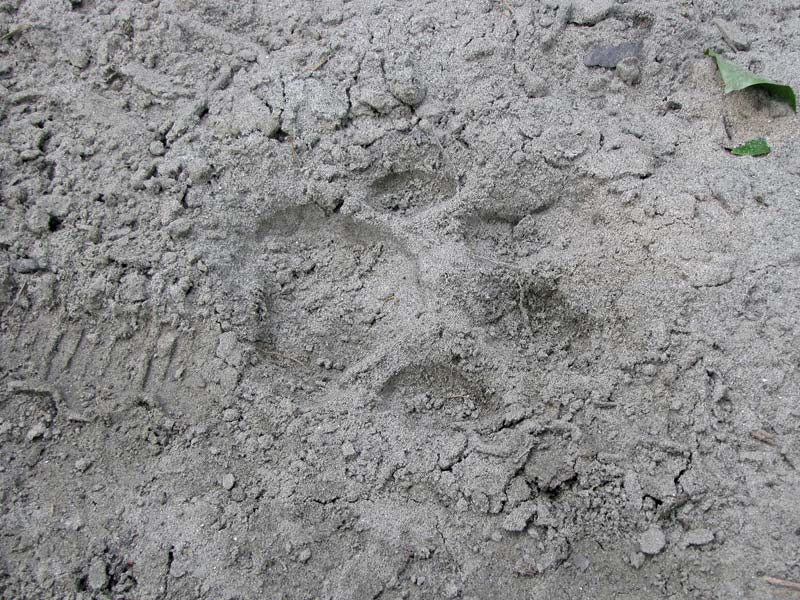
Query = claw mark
x=71 y=355
x=51 y=353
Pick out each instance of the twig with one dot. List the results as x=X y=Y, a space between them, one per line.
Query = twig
x=495 y=262
x=389 y=298
x=319 y=65
x=526 y=318
x=286 y=356
x=667 y=510
x=78 y=418
x=14 y=303
x=523 y=456
x=601 y=404
x=763 y=436
x=784 y=583
x=294 y=150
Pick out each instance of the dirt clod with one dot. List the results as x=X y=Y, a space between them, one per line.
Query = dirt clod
x=97 y=577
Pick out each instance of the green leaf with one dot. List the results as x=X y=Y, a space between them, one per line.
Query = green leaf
x=755 y=147
x=737 y=78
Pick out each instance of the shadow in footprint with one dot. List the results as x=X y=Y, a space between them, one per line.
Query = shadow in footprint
x=439 y=393
x=322 y=281
x=409 y=192
x=519 y=307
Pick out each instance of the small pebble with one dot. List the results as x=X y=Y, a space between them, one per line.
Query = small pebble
x=157 y=148
x=590 y=12
x=535 y=86
x=304 y=556
x=698 y=537
x=36 y=432
x=97 y=579
x=451 y=590
x=517 y=519
x=581 y=562
x=348 y=451
x=284 y=277
x=628 y=70
x=248 y=55
x=230 y=414
x=732 y=35
x=26 y=265
x=223 y=79
x=405 y=85
x=652 y=541
x=228 y=481
x=82 y=464
x=78 y=58
x=637 y=560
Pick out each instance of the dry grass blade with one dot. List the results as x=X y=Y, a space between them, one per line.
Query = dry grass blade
x=15 y=30
x=764 y=437
x=16 y=298
x=285 y=356
x=784 y=583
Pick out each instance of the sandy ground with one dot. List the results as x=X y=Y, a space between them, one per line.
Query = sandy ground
x=380 y=299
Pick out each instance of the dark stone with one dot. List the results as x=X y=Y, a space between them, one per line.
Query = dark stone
x=609 y=56
x=26 y=265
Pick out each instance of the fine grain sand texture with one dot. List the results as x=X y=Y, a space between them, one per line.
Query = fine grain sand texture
x=382 y=299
